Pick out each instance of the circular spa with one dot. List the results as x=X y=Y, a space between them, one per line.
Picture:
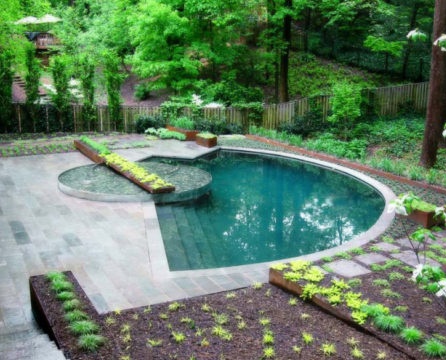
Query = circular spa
x=246 y=207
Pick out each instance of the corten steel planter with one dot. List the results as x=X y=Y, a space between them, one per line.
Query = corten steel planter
x=50 y=321
x=190 y=134
x=276 y=278
x=92 y=154
x=424 y=218
x=206 y=141
x=146 y=186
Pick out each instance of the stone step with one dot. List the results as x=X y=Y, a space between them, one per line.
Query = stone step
x=202 y=238
x=28 y=344
x=188 y=238
x=172 y=241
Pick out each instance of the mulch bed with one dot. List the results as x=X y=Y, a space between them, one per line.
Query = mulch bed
x=148 y=332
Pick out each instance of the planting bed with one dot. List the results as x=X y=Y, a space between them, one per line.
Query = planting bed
x=299 y=330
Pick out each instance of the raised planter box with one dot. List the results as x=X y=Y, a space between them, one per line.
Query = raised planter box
x=206 y=141
x=146 y=186
x=276 y=278
x=92 y=154
x=49 y=314
x=190 y=134
x=424 y=218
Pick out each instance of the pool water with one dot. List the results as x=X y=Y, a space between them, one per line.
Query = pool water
x=264 y=208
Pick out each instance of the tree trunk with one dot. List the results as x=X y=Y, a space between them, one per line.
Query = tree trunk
x=412 y=25
x=436 y=107
x=284 y=57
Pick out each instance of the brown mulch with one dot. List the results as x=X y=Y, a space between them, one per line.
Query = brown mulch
x=148 y=332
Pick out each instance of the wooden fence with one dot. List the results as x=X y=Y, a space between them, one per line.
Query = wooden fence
x=381 y=101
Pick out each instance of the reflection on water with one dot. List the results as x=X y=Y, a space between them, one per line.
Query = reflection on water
x=264 y=208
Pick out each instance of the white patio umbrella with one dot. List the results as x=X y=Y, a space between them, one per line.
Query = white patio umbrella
x=48 y=18
x=27 y=20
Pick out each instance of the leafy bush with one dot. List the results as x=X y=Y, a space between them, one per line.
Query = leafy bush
x=345 y=105
x=142 y=92
x=355 y=149
x=230 y=92
x=183 y=122
x=215 y=126
x=305 y=125
x=164 y=133
x=144 y=122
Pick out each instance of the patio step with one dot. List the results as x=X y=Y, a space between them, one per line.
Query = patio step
x=203 y=238
x=188 y=238
x=28 y=344
x=175 y=251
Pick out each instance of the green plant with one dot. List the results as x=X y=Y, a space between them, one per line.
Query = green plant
x=206 y=135
x=375 y=309
x=220 y=319
x=75 y=315
x=389 y=323
x=411 y=335
x=268 y=352
x=268 y=337
x=357 y=353
x=434 y=348
x=65 y=295
x=183 y=122
x=395 y=275
x=70 y=305
x=91 y=342
x=61 y=285
x=381 y=355
x=178 y=337
x=328 y=349
x=83 y=327
x=221 y=332
x=381 y=283
x=307 y=338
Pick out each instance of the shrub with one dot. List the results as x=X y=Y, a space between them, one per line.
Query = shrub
x=142 y=92
x=389 y=323
x=144 y=122
x=305 y=125
x=183 y=122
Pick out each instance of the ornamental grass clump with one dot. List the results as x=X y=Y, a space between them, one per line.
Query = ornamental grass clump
x=78 y=321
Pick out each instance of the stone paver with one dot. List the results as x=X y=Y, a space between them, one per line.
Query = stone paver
x=409 y=258
x=386 y=246
x=371 y=258
x=348 y=268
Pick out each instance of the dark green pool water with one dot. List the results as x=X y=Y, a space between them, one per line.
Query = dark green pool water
x=263 y=208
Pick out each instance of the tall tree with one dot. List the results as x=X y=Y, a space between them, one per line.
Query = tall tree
x=436 y=107
x=5 y=89
x=61 y=97
x=32 y=80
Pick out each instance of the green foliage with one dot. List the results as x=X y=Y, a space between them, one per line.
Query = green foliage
x=91 y=342
x=6 y=80
x=389 y=323
x=378 y=44
x=87 y=79
x=183 y=122
x=100 y=148
x=60 y=285
x=345 y=105
x=354 y=149
x=411 y=335
x=75 y=315
x=32 y=78
x=434 y=348
x=164 y=133
x=113 y=81
x=59 y=67
x=83 y=327
x=143 y=122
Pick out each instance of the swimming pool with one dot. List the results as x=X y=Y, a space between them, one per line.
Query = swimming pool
x=263 y=208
